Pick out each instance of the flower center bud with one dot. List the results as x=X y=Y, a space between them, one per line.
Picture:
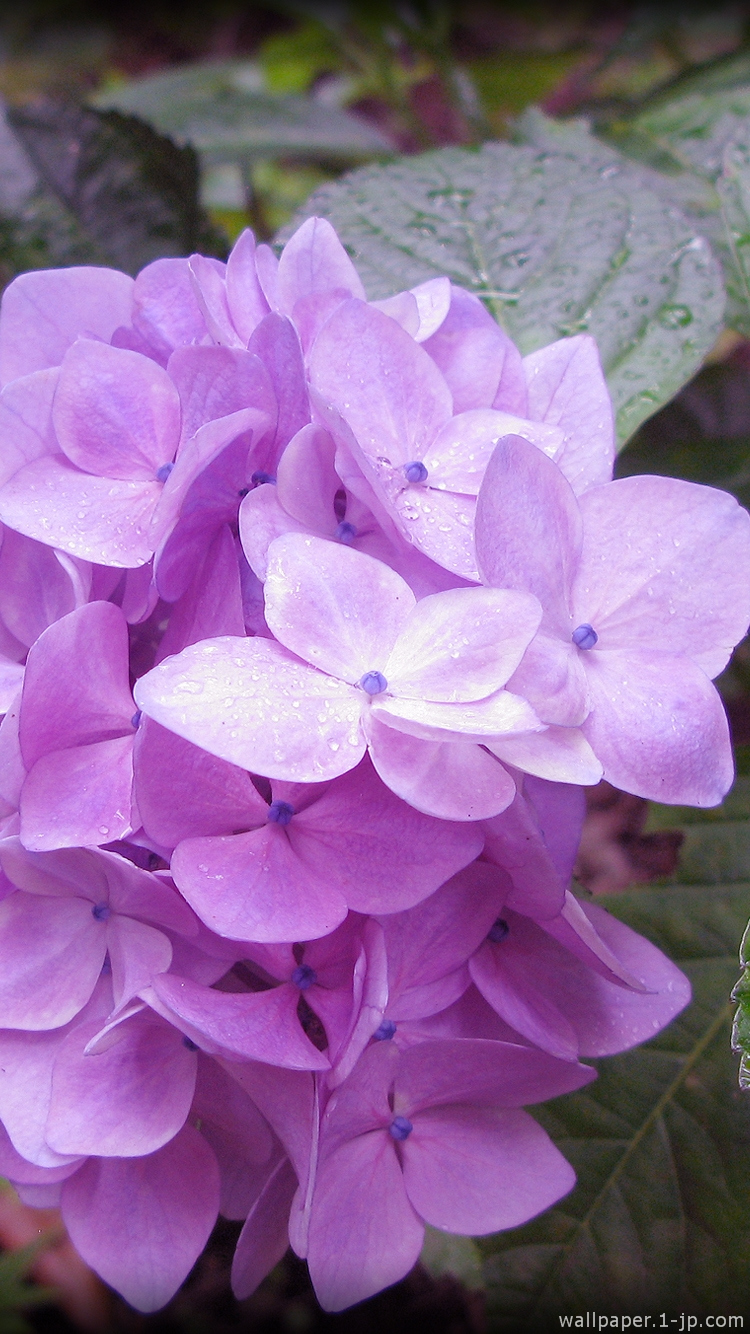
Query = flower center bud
x=385 y=1032
x=188 y=1042
x=498 y=931
x=415 y=471
x=135 y=721
x=280 y=812
x=163 y=472
x=400 y=1128
x=346 y=533
x=304 y=976
x=373 y=683
x=585 y=636
x=260 y=479
x=101 y=911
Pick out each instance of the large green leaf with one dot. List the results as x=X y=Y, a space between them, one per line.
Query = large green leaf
x=131 y=194
x=556 y=245
x=700 y=127
x=660 y=1217
x=222 y=109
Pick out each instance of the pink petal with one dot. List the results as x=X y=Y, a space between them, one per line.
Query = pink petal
x=506 y=976
x=436 y=937
x=680 y=583
x=567 y=389
x=79 y=797
x=254 y=887
x=126 y=1100
x=264 y=1239
x=258 y=1026
x=38 y=586
x=262 y=518
x=339 y=610
x=475 y=1170
x=480 y=1071
x=385 y=386
x=307 y=480
x=141 y=1223
x=215 y=382
x=76 y=688
x=607 y=1017
x=516 y=841
x=559 y=754
x=245 y=299
x=458 y=456
x=481 y=365
x=440 y=524
x=261 y=730
x=43 y=313
x=552 y=677
x=137 y=952
x=462 y=644
x=433 y=300
x=210 y=291
x=26 y=1060
x=528 y=528
x=183 y=792
x=314 y=261
x=276 y=342
x=96 y=518
x=454 y=780
x=116 y=413
x=364 y=1234
x=26 y=421
x=658 y=727
x=165 y=307
x=52 y=951
x=482 y=719
x=389 y=861
x=137 y=893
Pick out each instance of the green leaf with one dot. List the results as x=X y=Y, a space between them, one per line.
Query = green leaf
x=659 y=1219
x=222 y=109
x=701 y=127
x=556 y=245
x=133 y=195
x=741 y=1025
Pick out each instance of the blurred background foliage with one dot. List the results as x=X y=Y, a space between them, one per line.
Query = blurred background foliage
x=136 y=131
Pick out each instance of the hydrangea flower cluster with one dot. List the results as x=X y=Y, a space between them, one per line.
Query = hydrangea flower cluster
x=316 y=616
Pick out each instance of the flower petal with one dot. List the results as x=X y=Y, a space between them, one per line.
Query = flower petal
x=146 y=1249
x=364 y=1234
x=454 y=780
x=659 y=728
x=474 y=1170
x=254 y=704
x=462 y=644
x=338 y=609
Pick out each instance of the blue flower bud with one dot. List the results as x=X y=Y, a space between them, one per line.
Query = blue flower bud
x=101 y=911
x=373 y=683
x=260 y=478
x=415 y=472
x=385 y=1032
x=135 y=721
x=400 y=1128
x=188 y=1042
x=304 y=976
x=346 y=533
x=585 y=636
x=280 y=812
x=498 y=931
x=163 y=472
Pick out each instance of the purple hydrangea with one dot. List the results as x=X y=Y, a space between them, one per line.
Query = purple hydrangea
x=316 y=614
